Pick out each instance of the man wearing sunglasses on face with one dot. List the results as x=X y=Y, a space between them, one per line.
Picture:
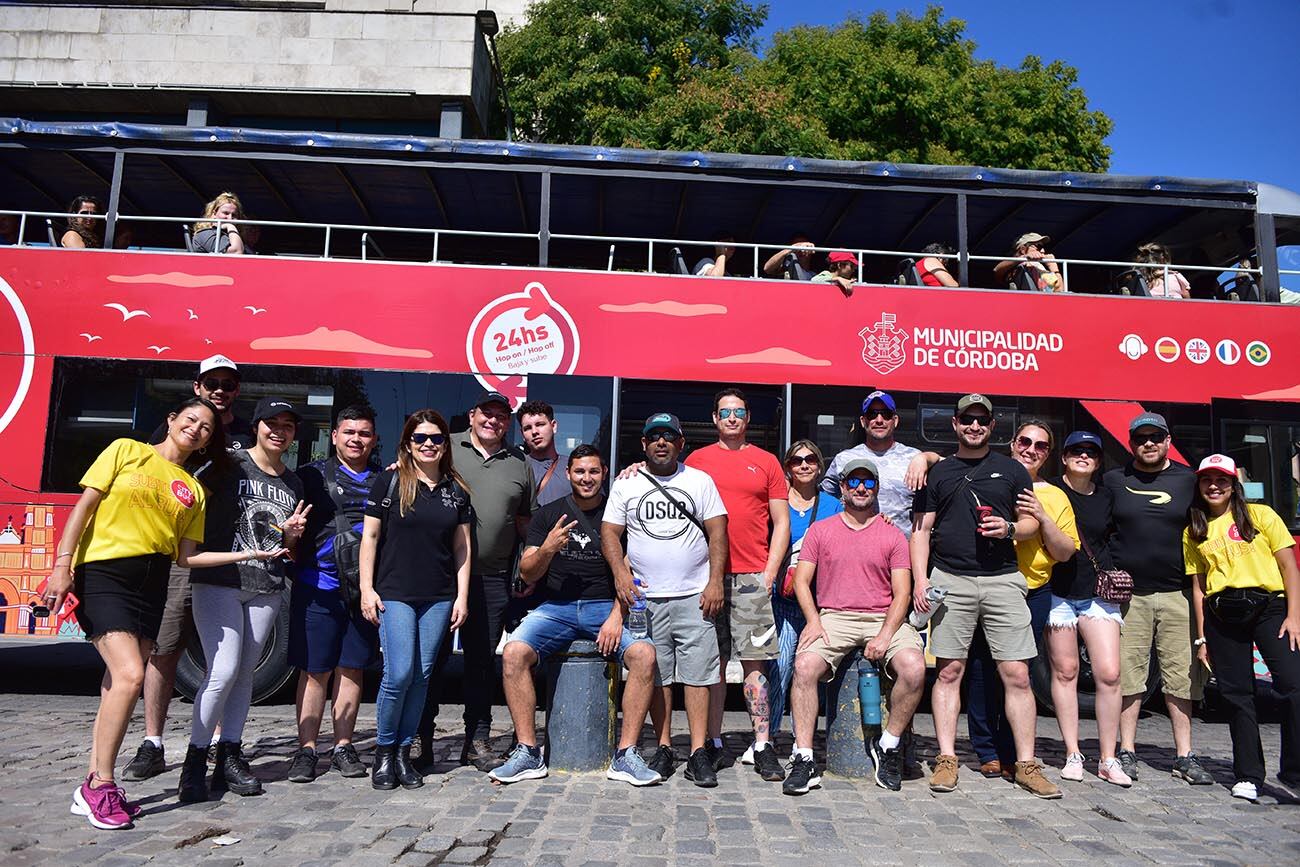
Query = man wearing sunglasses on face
x=1151 y=496
x=967 y=522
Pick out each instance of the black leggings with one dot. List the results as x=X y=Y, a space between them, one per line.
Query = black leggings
x=1233 y=659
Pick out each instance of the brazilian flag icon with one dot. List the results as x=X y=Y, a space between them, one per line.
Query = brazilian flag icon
x=1258 y=353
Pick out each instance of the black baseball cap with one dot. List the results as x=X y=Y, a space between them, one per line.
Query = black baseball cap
x=494 y=397
x=269 y=407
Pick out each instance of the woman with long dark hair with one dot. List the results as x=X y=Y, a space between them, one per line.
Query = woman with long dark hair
x=84 y=231
x=1246 y=593
x=139 y=508
x=415 y=561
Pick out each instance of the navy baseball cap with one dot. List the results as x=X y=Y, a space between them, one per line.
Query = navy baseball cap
x=882 y=396
x=1083 y=437
x=662 y=421
x=1149 y=419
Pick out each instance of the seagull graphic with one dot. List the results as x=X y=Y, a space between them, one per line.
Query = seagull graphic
x=206 y=340
x=193 y=315
x=255 y=310
x=90 y=338
x=159 y=350
x=125 y=311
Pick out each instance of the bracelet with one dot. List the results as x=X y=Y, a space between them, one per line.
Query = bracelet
x=63 y=554
x=1198 y=642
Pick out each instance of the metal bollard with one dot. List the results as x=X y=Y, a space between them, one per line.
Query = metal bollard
x=580 y=714
x=846 y=751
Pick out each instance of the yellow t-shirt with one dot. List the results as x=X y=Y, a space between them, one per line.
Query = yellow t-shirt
x=149 y=505
x=1034 y=561
x=1226 y=560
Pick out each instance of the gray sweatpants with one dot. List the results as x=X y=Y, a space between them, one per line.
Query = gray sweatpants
x=233 y=626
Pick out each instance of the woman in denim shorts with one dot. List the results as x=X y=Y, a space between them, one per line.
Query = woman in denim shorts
x=1077 y=612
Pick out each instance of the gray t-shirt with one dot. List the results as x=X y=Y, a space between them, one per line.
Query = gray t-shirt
x=244 y=510
x=557 y=486
x=895 y=498
x=500 y=490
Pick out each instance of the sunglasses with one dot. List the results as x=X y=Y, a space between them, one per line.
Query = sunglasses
x=804 y=459
x=1083 y=452
x=214 y=384
x=421 y=438
x=1037 y=445
x=886 y=414
x=981 y=420
x=668 y=436
x=1142 y=439
x=739 y=412
x=855 y=483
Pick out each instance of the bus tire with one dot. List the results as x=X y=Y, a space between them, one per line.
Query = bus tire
x=273 y=671
x=1040 y=679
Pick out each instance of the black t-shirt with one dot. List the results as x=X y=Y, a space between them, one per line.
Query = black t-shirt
x=1076 y=578
x=1149 y=513
x=239 y=434
x=578 y=570
x=955 y=543
x=417 y=562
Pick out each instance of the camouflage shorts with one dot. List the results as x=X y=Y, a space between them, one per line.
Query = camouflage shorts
x=746 y=627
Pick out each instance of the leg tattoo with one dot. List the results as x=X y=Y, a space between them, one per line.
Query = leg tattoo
x=757 y=704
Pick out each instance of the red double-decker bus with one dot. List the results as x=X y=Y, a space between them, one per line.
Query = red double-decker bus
x=409 y=272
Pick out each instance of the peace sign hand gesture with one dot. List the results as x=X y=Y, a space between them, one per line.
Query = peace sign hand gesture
x=558 y=537
x=296 y=524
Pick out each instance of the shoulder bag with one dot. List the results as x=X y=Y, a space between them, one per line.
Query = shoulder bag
x=792 y=556
x=1113 y=585
x=347 y=541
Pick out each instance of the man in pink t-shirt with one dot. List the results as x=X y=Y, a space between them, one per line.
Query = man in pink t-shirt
x=864 y=589
x=753 y=488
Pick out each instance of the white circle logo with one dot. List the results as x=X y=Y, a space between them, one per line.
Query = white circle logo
x=1197 y=350
x=1228 y=352
x=29 y=354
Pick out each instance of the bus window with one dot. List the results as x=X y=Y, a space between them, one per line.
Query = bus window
x=583 y=409
x=934 y=418
x=1249 y=445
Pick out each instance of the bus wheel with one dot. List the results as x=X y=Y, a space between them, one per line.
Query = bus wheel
x=271 y=675
x=1040 y=678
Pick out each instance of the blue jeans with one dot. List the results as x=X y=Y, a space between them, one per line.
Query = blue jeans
x=780 y=671
x=990 y=733
x=551 y=626
x=409 y=636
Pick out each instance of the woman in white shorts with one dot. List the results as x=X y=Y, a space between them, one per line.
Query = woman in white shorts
x=1077 y=612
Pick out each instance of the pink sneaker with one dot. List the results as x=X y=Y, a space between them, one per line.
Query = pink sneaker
x=105 y=808
x=1112 y=772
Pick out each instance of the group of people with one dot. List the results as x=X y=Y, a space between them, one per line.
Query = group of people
x=673 y=567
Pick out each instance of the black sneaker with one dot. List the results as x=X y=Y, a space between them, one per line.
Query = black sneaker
x=803 y=776
x=767 y=765
x=717 y=755
x=302 y=767
x=148 y=762
x=912 y=769
x=1189 y=768
x=346 y=761
x=700 y=770
x=1128 y=763
x=663 y=762
x=889 y=766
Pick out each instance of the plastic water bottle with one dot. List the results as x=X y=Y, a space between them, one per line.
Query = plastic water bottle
x=869 y=692
x=637 y=620
x=935 y=595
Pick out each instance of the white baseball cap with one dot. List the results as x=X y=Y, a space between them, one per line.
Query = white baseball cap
x=1219 y=464
x=214 y=362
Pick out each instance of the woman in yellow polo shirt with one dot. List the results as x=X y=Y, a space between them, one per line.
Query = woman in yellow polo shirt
x=1246 y=592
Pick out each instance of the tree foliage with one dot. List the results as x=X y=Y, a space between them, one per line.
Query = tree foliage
x=684 y=75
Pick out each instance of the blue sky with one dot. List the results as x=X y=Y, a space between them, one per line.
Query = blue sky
x=1196 y=88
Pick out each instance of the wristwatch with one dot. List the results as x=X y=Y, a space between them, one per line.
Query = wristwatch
x=1198 y=642
x=1011 y=531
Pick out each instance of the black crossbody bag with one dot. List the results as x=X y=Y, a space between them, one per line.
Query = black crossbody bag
x=699 y=525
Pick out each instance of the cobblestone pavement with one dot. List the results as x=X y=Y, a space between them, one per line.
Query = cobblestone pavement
x=459 y=817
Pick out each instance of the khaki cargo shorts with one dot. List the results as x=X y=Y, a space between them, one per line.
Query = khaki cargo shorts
x=847 y=631
x=746 y=626
x=1164 y=619
x=994 y=603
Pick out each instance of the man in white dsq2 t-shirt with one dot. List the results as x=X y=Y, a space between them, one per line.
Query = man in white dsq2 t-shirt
x=676 y=530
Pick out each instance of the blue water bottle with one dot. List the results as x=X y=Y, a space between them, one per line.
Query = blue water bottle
x=869 y=692
x=637 y=620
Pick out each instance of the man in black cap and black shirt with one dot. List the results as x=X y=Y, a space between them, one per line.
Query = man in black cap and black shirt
x=967 y=524
x=1152 y=494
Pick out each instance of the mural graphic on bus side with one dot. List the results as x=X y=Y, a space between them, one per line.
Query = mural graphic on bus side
x=26 y=560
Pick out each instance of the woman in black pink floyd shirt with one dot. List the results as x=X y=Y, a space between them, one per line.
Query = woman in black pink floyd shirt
x=1246 y=592
x=139 y=509
x=415 y=562
x=255 y=518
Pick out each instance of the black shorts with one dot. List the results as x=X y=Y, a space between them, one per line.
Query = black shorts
x=124 y=595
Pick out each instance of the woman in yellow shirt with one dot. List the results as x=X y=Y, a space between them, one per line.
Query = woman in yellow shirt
x=1246 y=592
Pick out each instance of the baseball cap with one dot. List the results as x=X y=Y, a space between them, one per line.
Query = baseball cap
x=1082 y=437
x=216 y=362
x=974 y=400
x=1219 y=464
x=273 y=406
x=1032 y=238
x=494 y=397
x=1149 y=419
x=883 y=397
x=860 y=464
x=661 y=420
x=842 y=256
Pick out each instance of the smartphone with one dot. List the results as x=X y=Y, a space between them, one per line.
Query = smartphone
x=39 y=609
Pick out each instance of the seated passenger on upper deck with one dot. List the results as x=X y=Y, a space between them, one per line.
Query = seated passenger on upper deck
x=841 y=269
x=1156 y=256
x=1041 y=271
x=9 y=230
x=794 y=262
x=723 y=252
x=932 y=268
x=82 y=232
x=207 y=237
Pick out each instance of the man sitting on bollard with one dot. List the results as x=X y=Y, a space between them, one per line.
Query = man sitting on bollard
x=563 y=549
x=864 y=592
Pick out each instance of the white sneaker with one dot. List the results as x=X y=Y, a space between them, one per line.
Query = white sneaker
x=1073 y=770
x=748 y=757
x=1245 y=790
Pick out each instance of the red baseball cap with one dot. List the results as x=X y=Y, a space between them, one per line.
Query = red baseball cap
x=842 y=256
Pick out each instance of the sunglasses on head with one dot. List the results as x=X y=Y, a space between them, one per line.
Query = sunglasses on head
x=804 y=459
x=1156 y=437
x=739 y=412
x=214 y=384
x=1083 y=452
x=421 y=438
x=1037 y=445
x=968 y=419
x=855 y=483
x=886 y=414
x=668 y=436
